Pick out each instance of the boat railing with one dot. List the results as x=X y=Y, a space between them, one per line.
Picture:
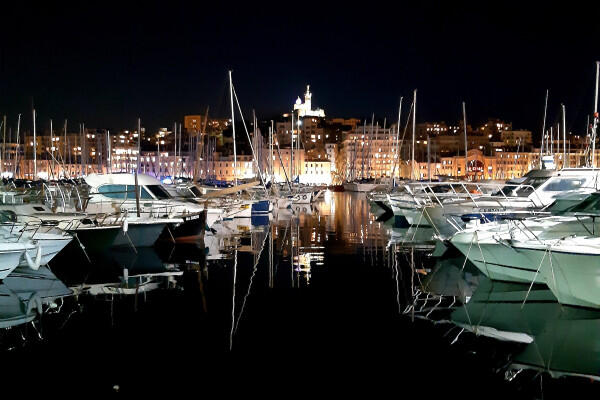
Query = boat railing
x=22 y=228
x=481 y=192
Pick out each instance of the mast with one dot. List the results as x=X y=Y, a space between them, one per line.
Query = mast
x=139 y=132
x=175 y=143
x=552 y=142
x=428 y=161
x=397 y=151
x=179 y=145
x=233 y=127
x=544 y=129
x=369 y=144
x=65 y=147
x=564 y=124
x=292 y=156
x=271 y=142
x=3 y=156
x=51 y=164
x=414 y=127
x=465 y=130
x=108 y=152
x=595 y=117
x=84 y=147
x=362 y=151
x=377 y=138
x=34 y=149
x=17 y=148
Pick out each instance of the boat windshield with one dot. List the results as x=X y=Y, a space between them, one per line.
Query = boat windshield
x=195 y=191
x=563 y=205
x=590 y=205
x=158 y=192
x=528 y=186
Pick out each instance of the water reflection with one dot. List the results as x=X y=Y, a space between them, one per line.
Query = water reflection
x=541 y=335
x=335 y=278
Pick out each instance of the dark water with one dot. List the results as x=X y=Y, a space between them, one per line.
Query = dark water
x=323 y=301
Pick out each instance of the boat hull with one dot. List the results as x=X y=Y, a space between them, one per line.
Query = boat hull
x=96 y=239
x=496 y=261
x=139 y=235
x=191 y=229
x=10 y=257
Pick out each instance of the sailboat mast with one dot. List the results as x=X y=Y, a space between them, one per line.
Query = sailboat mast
x=271 y=142
x=595 y=117
x=292 y=156
x=369 y=144
x=51 y=164
x=84 y=147
x=362 y=151
x=233 y=127
x=565 y=161
x=428 y=161
x=3 y=157
x=175 y=143
x=414 y=127
x=179 y=156
x=64 y=156
x=544 y=129
x=17 y=148
x=108 y=152
x=465 y=130
x=34 y=148
x=397 y=151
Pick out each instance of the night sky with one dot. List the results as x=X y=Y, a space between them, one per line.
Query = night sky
x=107 y=64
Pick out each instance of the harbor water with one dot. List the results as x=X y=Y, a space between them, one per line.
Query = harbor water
x=325 y=299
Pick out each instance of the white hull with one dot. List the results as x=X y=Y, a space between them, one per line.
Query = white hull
x=359 y=187
x=571 y=269
x=10 y=256
x=50 y=248
x=498 y=262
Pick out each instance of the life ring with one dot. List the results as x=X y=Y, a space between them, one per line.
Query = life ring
x=303 y=197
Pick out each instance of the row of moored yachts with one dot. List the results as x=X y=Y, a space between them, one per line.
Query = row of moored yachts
x=102 y=211
x=542 y=228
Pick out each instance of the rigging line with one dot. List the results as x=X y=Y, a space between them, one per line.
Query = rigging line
x=403 y=136
x=249 y=140
x=254 y=268
x=233 y=300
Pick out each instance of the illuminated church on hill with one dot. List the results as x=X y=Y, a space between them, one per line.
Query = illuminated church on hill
x=305 y=109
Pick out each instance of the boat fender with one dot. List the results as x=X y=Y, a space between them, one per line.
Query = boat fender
x=34 y=264
x=125 y=226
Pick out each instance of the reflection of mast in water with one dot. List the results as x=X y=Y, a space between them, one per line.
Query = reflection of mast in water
x=254 y=268
x=272 y=226
x=233 y=299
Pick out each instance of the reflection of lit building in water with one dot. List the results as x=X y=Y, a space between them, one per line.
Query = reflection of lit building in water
x=341 y=223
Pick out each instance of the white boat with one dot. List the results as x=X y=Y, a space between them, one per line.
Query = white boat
x=44 y=242
x=569 y=266
x=537 y=189
x=115 y=193
x=358 y=186
x=410 y=207
x=11 y=254
x=493 y=246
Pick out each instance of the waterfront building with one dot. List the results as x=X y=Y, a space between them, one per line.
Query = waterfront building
x=370 y=152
